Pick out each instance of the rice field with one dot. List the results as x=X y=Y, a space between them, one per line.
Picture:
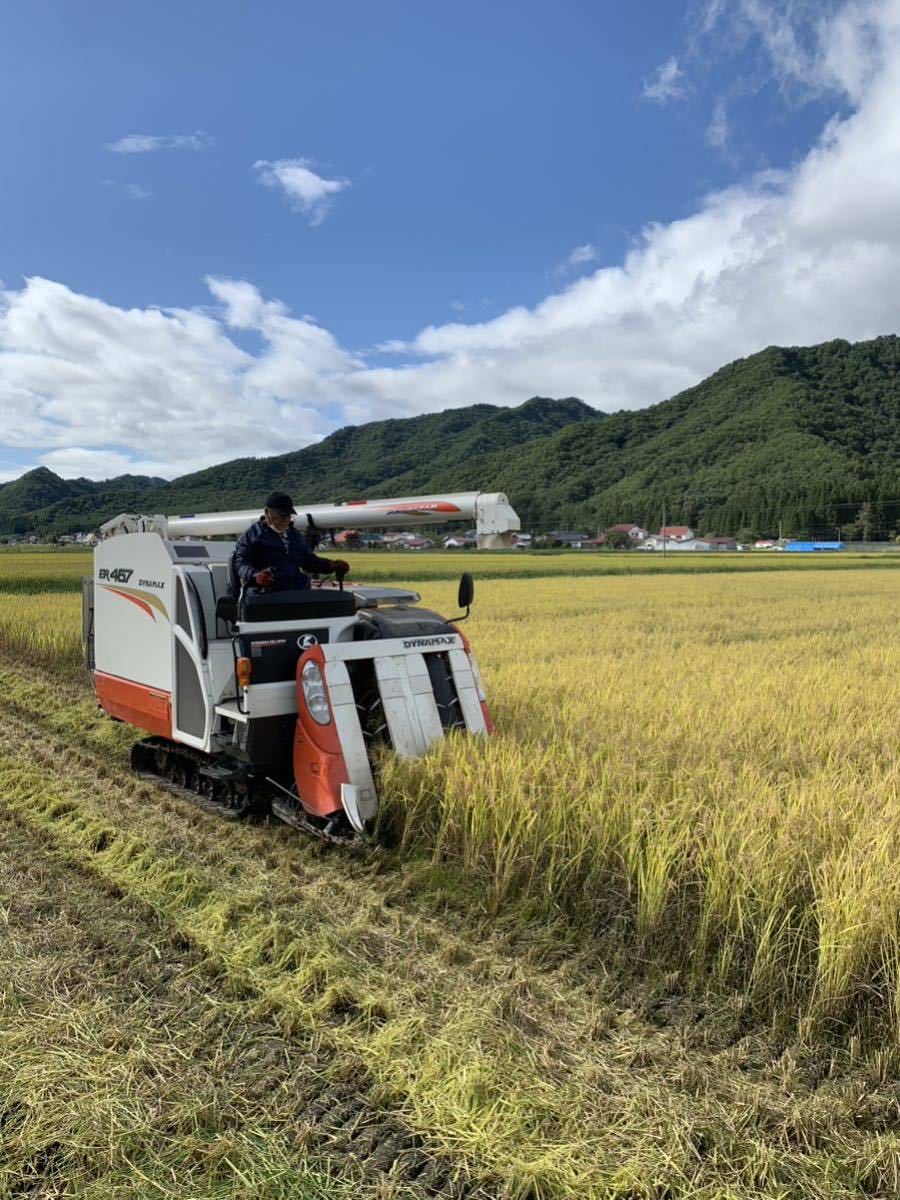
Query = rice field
x=43 y=569
x=645 y=942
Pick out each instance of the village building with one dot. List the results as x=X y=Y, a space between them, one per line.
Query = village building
x=634 y=532
x=676 y=533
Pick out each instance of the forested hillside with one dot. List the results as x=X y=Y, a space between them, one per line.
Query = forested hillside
x=801 y=436
x=787 y=435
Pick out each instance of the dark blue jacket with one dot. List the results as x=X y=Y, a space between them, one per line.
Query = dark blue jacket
x=262 y=547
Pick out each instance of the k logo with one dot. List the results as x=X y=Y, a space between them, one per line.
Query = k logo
x=306 y=640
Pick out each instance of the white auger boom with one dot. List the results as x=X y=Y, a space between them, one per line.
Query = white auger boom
x=495 y=520
x=258 y=700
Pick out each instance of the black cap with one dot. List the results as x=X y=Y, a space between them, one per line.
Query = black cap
x=281 y=502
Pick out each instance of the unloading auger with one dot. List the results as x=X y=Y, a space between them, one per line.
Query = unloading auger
x=277 y=700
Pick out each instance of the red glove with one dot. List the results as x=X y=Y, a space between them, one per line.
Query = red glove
x=340 y=567
x=264 y=578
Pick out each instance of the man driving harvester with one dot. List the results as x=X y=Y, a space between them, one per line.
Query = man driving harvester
x=272 y=555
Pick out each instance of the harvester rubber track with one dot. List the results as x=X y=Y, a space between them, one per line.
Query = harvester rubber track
x=231 y=795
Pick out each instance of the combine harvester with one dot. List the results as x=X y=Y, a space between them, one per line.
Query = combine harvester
x=261 y=701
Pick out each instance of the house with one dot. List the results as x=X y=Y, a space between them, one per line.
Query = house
x=764 y=544
x=417 y=543
x=676 y=533
x=460 y=542
x=655 y=541
x=720 y=543
x=522 y=541
x=635 y=532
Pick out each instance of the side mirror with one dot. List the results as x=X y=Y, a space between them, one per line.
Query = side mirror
x=466 y=590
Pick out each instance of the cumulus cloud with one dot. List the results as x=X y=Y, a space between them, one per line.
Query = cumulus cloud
x=667 y=84
x=146 y=143
x=306 y=191
x=794 y=256
x=169 y=387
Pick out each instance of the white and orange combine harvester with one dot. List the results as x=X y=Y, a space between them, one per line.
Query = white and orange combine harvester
x=277 y=700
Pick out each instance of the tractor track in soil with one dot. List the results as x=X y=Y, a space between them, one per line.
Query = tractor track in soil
x=62 y=925
x=354 y=1137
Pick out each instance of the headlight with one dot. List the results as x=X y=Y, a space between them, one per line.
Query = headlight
x=314 y=693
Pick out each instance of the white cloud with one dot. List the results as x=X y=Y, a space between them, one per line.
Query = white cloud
x=667 y=84
x=790 y=257
x=307 y=191
x=582 y=254
x=146 y=143
x=457 y=306
x=134 y=191
x=78 y=461
x=577 y=259
x=807 y=47
x=718 y=128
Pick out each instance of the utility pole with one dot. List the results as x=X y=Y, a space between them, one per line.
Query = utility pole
x=664 y=531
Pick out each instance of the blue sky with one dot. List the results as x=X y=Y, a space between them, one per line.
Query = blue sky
x=484 y=162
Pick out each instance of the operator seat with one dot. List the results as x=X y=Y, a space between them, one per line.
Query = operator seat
x=227 y=605
x=291 y=604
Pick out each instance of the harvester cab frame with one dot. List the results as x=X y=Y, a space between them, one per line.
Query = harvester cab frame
x=278 y=701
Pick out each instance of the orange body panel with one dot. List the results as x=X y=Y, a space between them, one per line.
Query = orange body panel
x=319 y=767
x=485 y=711
x=135 y=703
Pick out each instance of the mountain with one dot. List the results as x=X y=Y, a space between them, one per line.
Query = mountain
x=799 y=436
x=349 y=464
x=40 y=501
x=804 y=436
x=388 y=458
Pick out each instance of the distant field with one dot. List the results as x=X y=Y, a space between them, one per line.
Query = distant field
x=644 y=943
x=48 y=569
